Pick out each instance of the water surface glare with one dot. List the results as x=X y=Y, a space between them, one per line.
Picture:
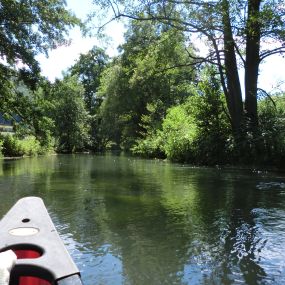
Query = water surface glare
x=145 y=222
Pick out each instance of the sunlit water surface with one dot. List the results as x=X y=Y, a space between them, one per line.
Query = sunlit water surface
x=145 y=222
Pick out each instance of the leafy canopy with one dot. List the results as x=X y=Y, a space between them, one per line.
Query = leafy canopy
x=32 y=27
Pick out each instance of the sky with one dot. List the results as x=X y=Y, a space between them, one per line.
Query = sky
x=60 y=59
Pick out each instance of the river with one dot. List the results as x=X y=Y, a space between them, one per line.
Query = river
x=132 y=221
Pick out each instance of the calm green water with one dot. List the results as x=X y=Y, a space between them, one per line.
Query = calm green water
x=142 y=222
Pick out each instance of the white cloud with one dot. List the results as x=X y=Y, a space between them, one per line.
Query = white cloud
x=61 y=58
x=272 y=74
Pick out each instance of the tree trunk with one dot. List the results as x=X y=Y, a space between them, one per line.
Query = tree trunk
x=252 y=62
x=234 y=94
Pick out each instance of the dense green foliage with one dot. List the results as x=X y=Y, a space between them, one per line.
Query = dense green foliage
x=13 y=146
x=27 y=29
x=196 y=131
x=89 y=68
x=272 y=130
x=70 y=115
x=157 y=98
x=145 y=75
x=237 y=35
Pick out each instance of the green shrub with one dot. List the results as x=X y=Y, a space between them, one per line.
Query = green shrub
x=1 y=147
x=151 y=140
x=175 y=141
x=197 y=131
x=12 y=146
x=272 y=131
x=150 y=147
x=179 y=134
x=31 y=146
x=47 y=144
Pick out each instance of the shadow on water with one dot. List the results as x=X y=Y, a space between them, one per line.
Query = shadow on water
x=135 y=221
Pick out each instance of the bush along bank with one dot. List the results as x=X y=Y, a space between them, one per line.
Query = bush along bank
x=11 y=146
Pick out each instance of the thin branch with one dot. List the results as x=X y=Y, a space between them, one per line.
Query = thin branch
x=207 y=4
x=173 y=22
x=267 y=95
x=112 y=7
x=226 y=112
x=199 y=59
x=278 y=50
x=108 y=22
x=239 y=53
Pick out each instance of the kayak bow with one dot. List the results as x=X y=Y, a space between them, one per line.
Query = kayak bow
x=42 y=258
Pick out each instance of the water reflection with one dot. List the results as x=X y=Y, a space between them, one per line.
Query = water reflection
x=133 y=221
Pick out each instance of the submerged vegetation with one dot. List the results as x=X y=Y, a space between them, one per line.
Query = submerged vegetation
x=159 y=97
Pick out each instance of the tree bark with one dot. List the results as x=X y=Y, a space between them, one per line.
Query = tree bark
x=252 y=62
x=234 y=94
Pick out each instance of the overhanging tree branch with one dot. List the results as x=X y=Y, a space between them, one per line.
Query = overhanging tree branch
x=267 y=95
x=279 y=50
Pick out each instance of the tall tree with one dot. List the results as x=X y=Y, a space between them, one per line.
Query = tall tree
x=145 y=74
x=89 y=68
x=27 y=29
x=238 y=33
x=70 y=115
x=31 y=27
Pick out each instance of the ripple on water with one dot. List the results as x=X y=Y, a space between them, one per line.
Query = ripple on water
x=100 y=266
x=251 y=250
x=270 y=185
x=271 y=252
